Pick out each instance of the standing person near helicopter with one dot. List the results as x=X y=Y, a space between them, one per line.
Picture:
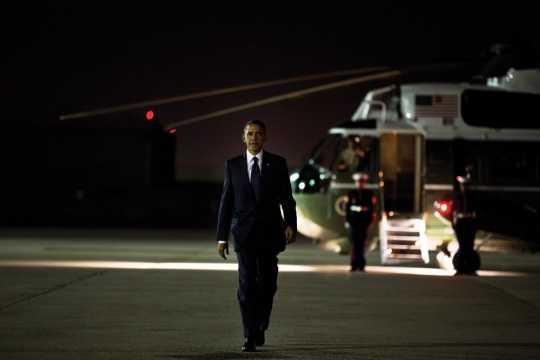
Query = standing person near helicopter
x=464 y=222
x=360 y=218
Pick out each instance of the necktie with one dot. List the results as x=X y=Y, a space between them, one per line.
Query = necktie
x=256 y=178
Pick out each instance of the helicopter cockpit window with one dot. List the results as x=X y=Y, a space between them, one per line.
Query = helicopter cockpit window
x=325 y=152
x=355 y=153
x=314 y=175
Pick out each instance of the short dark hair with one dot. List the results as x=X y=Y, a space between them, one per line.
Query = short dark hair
x=255 y=122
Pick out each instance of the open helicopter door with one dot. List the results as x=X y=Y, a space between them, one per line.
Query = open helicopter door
x=401 y=177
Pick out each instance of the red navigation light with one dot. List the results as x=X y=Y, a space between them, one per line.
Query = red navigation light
x=172 y=131
x=149 y=115
x=444 y=206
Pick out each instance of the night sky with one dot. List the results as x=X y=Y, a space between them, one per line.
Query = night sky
x=67 y=56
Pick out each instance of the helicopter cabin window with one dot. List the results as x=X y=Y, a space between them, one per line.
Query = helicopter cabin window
x=515 y=163
x=514 y=170
x=355 y=154
x=495 y=108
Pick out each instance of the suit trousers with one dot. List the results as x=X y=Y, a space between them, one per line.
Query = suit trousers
x=357 y=239
x=257 y=285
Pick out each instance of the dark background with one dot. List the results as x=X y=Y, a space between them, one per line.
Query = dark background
x=67 y=57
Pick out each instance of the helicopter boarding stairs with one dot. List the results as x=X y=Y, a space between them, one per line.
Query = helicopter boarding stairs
x=403 y=241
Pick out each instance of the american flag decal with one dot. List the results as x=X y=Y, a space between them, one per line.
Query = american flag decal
x=436 y=106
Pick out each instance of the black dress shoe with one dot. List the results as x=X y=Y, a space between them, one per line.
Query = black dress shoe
x=249 y=345
x=259 y=341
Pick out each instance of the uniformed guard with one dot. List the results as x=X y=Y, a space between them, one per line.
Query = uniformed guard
x=464 y=223
x=360 y=217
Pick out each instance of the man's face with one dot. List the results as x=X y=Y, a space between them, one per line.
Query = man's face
x=254 y=137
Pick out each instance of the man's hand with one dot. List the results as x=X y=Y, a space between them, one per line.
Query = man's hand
x=290 y=235
x=223 y=248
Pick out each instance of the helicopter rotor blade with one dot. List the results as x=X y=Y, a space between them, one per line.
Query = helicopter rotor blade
x=291 y=95
x=230 y=90
x=320 y=88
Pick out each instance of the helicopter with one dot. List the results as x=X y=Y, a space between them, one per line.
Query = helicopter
x=414 y=139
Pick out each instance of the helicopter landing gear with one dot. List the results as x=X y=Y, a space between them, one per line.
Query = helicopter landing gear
x=466 y=263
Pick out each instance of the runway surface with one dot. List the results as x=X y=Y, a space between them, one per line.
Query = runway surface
x=143 y=294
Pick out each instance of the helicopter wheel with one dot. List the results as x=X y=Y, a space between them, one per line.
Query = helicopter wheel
x=472 y=264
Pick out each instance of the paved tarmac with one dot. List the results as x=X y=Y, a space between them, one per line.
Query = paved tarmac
x=126 y=294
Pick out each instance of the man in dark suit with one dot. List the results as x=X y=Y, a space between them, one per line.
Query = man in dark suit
x=258 y=229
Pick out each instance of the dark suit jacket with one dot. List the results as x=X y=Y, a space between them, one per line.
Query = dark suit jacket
x=239 y=210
